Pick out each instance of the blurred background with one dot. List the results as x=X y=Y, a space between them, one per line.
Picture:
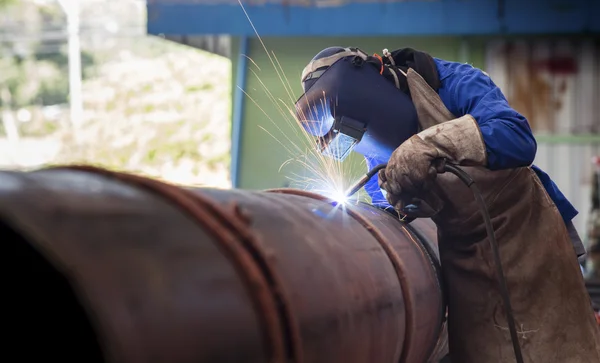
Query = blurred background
x=185 y=90
x=81 y=81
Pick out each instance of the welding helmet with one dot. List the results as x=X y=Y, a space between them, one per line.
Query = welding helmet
x=348 y=105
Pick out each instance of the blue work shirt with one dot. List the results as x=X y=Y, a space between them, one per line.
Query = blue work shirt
x=507 y=135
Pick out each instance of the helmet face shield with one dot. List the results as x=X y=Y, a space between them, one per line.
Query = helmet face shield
x=336 y=136
x=314 y=113
x=349 y=107
x=339 y=142
x=338 y=147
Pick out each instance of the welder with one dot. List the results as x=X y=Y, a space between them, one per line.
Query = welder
x=416 y=113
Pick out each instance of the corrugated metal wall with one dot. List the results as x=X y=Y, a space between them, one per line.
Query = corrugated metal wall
x=555 y=83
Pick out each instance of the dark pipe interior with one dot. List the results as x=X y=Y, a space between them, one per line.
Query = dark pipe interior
x=43 y=319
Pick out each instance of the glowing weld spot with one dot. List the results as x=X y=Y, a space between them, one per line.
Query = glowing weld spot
x=339 y=197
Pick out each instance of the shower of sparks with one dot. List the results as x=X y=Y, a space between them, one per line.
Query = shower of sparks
x=328 y=176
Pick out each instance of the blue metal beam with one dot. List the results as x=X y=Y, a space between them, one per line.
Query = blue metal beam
x=238 y=111
x=442 y=17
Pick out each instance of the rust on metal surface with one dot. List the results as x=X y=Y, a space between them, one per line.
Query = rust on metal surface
x=231 y=230
x=425 y=314
x=416 y=269
x=172 y=274
x=403 y=274
x=139 y=223
x=337 y=296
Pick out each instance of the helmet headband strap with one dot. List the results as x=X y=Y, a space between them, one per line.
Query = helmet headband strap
x=328 y=61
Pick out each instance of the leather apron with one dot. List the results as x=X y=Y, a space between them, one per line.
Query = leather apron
x=552 y=308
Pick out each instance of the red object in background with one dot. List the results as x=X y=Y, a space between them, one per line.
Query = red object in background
x=557 y=65
x=597 y=314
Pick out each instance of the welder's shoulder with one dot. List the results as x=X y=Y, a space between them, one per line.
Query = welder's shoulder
x=456 y=69
x=461 y=78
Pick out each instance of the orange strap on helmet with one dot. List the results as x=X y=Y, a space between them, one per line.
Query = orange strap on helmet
x=381 y=60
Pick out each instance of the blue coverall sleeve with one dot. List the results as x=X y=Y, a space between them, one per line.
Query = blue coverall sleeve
x=372 y=187
x=506 y=133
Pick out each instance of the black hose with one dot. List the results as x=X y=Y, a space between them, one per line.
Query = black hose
x=465 y=178
x=375 y=169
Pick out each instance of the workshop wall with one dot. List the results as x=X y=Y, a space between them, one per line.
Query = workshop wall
x=555 y=83
x=268 y=129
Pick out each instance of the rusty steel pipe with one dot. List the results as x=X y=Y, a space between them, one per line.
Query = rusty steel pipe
x=135 y=270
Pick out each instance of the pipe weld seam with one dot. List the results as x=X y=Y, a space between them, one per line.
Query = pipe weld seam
x=397 y=263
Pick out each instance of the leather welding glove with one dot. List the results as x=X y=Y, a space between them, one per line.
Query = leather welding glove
x=414 y=165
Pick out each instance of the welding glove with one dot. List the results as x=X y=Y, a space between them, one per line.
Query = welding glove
x=414 y=165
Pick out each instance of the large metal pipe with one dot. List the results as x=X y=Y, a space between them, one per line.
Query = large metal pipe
x=129 y=269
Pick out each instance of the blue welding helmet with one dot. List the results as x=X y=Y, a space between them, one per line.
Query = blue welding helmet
x=349 y=106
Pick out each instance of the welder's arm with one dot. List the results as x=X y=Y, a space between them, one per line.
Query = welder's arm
x=490 y=134
x=507 y=136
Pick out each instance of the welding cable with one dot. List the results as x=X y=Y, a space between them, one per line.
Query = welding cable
x=469 y=182
x=375 y=170
x=465 y=178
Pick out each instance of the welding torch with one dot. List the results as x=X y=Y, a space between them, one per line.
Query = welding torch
x=364 y=180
